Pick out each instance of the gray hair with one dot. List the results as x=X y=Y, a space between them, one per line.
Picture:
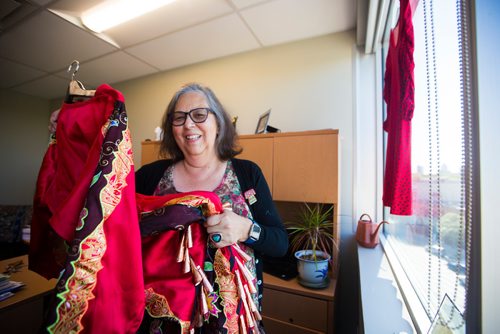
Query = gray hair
x=225 y=143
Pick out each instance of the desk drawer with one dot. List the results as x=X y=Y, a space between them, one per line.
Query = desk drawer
x=295 y=309
x=273 y=326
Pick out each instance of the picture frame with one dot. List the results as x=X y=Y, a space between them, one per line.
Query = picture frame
x=262 y=123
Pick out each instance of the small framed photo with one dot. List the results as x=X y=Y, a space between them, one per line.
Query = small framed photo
x=262 y=123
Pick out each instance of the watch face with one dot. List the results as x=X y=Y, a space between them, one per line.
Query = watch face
x=255 y=233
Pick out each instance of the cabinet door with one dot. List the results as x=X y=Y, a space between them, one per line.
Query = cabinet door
x=274 y=326
x=305 y=168
x=150 y=152
x=296 y=310
x=260 y=151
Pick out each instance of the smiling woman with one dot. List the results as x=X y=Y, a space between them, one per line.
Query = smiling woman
x=201 y=141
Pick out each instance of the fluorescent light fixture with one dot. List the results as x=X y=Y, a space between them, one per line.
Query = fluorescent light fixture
x=111 y=13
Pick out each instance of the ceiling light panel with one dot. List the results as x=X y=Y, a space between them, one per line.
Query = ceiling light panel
x=177 y=15
x=112 y=13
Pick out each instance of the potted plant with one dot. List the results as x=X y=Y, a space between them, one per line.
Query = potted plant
x=312 y=242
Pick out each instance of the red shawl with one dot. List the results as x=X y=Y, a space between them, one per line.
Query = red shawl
x=85 y=199
x=174 y=248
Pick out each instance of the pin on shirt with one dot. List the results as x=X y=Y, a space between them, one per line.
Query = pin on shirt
x=250 y=196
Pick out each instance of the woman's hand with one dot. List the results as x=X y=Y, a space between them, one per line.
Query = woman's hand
x=231 y=227
x=53 y=120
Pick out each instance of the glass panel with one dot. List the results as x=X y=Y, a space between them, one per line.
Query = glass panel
x=435 y=268
x=448 y=319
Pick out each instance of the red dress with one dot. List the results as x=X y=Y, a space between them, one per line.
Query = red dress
x=399 y=97
x=85 y=224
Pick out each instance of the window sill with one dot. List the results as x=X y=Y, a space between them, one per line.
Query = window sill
x=382 y=309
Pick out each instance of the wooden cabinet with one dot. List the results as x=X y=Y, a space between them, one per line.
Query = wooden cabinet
x=305 y=167
x=290 y=308
x=150 y=151
x=299 y=167
x=259 y=150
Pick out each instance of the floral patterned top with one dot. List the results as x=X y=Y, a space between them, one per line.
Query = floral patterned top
x=229 y=190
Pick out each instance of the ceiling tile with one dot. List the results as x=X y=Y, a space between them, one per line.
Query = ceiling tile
x=41 y=2
x=172 y=17
x=112 y=68
x=246 y=3
x=12 y=74
x=48 y=87
x=282 y=21
x=7 y=7
x=217 y=38
x=45 y=41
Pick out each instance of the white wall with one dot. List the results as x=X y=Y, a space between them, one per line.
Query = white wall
x=23 y=141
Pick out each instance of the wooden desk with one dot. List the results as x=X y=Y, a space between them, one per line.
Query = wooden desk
x=291 y=308
x=23 y=312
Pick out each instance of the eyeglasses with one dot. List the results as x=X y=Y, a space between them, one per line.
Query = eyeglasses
x=197 y=115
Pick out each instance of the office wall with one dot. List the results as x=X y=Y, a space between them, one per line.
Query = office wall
x=23 y=141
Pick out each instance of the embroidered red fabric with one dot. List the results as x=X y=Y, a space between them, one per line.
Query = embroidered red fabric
x=163 y=275
x=85 y=196
x=399 y=96
x=172 y=292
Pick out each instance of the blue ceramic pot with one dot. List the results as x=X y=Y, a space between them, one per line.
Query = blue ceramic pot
x=310 y=270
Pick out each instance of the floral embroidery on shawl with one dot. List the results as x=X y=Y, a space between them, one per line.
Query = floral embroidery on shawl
x=80 y=277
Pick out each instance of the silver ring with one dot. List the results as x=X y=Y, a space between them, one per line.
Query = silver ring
x=216 y=237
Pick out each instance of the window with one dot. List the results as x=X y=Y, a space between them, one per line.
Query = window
x=431 y=245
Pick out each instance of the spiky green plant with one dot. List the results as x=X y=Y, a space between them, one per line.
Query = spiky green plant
x=313 y=230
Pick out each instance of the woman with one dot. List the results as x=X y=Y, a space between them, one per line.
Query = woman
x=201 y=141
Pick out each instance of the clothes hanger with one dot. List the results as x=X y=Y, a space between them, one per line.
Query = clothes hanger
x=76 y=90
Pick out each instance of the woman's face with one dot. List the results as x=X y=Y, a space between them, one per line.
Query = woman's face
x=195 y=139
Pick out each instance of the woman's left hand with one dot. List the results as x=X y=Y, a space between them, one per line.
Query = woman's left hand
x=231 y=227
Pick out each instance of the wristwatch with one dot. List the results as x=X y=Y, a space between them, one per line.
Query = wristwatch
x=254 y=233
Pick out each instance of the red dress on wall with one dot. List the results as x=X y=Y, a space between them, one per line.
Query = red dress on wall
x=399 y=96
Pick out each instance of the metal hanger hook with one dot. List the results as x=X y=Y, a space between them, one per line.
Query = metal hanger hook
x=74 y=67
